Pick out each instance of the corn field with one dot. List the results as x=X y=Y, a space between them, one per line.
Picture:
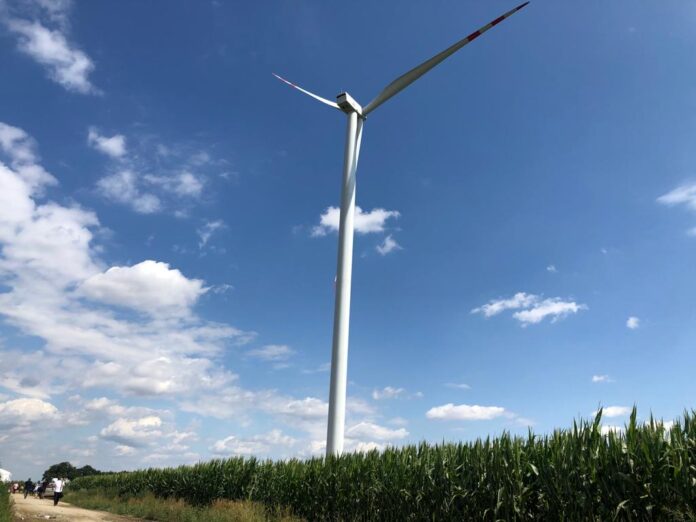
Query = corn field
x=646 y=472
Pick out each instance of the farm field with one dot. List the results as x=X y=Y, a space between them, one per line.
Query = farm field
x=646 y=471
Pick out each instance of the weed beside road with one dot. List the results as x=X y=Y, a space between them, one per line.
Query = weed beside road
x=5 y=504
x=149 y=507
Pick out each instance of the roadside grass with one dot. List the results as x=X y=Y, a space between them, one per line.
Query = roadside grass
x=149 y=507
x=5 y=505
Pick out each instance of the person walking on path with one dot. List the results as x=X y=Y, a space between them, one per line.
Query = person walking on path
x=28 y=487
x=58 y=490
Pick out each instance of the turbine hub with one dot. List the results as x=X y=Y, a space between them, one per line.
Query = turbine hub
x=348 y=104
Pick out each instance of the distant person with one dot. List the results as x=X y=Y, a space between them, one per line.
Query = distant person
x=44 y=485
x=28 y=487
x=58 y=485
x=15 y=488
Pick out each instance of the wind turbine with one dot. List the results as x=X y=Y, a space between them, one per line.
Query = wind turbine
x=356 y=117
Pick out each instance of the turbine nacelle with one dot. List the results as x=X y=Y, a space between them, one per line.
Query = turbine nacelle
x=347 y=104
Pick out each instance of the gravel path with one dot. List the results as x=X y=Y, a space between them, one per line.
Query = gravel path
x=35 y=509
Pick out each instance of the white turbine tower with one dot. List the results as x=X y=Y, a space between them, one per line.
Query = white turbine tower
x=356 y=116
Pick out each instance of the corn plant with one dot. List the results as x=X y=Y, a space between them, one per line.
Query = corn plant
x=645 y=472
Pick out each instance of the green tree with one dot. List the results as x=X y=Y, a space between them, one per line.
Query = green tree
x=67 y=470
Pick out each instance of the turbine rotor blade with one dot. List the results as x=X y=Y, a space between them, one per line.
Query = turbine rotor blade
x=322 y=100
x=411 y=76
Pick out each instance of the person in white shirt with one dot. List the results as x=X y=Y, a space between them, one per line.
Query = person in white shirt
x=57 y=490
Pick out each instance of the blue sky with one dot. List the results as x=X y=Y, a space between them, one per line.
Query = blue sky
x=167 y=249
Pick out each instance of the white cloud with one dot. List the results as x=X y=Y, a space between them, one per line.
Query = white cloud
x=123 y=187
x=682 y=195
x=46 y=252
x=614 y=411
x=65 y=63
x=105 y=405
x=389 y=392
x=23 y=413
x=496 y=306
x=632 y=323
x=601 y=378
x=207 y=231
x=365 y=222
x=607 y=429
x=188 y=185
x=134 y=432
x=325 y=367
x=552 y=269
x=272 y=352
x=115 y=146
x=458 y=386
x=464 y=412
x=256 y=445
x=183 y=184
x=555 y=308
x=532 y=309
x=388 y=245
x=151 y=177
x=369 y=430
x=21 y=151
x=149 y=286
x=363 y=436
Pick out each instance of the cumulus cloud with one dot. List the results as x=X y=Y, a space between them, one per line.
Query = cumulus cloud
x=458 y=386
x=23 y=413
x=272 y=352
x=375 y=432
x=256 y=445
x=20 y=149
x=41 y=29
x=682 y=195
x=632 y=323
x=496 y=306
x=46 y=252
x=207 y=230
x=601 y=378
x=388 y=245
x=184 y=184
x=150 y=177
x=365 y=222
x=532 y=309
x=131 y=180
x=133 y=432
x=607 y=429
x=614 y=411
x=123 y=187
x=554 y=308
x=115 y=146
x=389 y=392
x=464 y=412
x=149 y=286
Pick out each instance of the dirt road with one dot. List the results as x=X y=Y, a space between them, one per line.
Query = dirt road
x=34 y=509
